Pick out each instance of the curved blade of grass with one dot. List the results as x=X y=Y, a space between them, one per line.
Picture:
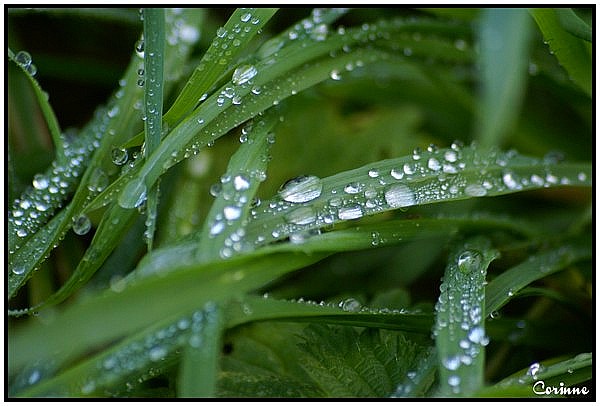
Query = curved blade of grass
x=569 y=372
x=572 y=53
x=366 y=236
x=240 y=29
x=459 y=327
x=502 y=288
x=504 y=58
x=154 y=55
x=573 y=24
x=348 y=312
x=46 y=108
x=129 y=310
x=288 y=66
x=225 y=222
x=112 y=126
x=198 y=370
x=426 y=177
x=135 y=359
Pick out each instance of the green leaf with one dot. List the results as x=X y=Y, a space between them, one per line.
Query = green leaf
x=503 y=287
x=504 y=59
x=573 y=54
x=459 y=330
x=345 y=363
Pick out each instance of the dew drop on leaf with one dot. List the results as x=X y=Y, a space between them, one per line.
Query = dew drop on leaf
x=40 y=181
x=399 y=195
x=81 y=224
x=301 y=189
x=133 y=195
x=119 y=156
x=469 y=261
x=350 y=212
x=243 y=74
x=301 y=216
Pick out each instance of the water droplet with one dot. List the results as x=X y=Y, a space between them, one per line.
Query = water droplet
x=509 y=180
x=581 y=176
x=81 y=224
x=18 y=270
x=157 y=353
x=133 y=195
x=469 y=261
x=40 y=181
x=246 y=17
x=31 y=69
x=454 y=380
x=397 y=174
x=399 y=195
x=335 y=75
x=189 y=34
x=477 y=336
x=241 y=183
x=373 y=173
x=139 y=48
x=216 y=228
x=475 y=190
x=23 y=58
x=243 y=74
x=451 y=362
x=319 y=33
x=408 y=169
x=119 y=156
x=350 y=212
x=350 y=305
x=232 y=212
x=433 y=164
x=301 y=216
x=352 y=188
x=301 y=189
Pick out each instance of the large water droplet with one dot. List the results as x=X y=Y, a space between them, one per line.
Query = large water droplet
x=350 y=305
x=98 y=181
x=241 y=183
x=350 y=212
x=23 y=58
x=469 y=261
x=232 y=212
x=451 y=362
x=119 y=156
x=243 y=74
x=399 y=195
x=301 y=189
x=301 y=216
x=81 y=224
x=40 y=181
x=133 y=195
x=475 y=190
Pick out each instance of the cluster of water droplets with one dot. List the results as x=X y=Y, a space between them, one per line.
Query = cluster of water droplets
x=352 y=305
x=235 y=194
x=50 y=189
x=459 y=314
x=141 y=359
x=24 y=60
x=431 y=175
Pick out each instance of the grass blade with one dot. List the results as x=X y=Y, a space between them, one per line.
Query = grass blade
x=504 y=59
x=459 y=327
x=201 y=357
x=502 y=288
x=572 y=53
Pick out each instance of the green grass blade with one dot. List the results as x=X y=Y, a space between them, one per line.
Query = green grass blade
x=198 y=371
x=347 y=312
x=459 y=330
x=240 y=29
x=23 y=60
x=426 y=177
x=573 y=24
x=129 y=310
x=560 y=375
x=224 y=226
x=154 y=55
x=504 y=59
x=573 y=54
x=502 y=288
